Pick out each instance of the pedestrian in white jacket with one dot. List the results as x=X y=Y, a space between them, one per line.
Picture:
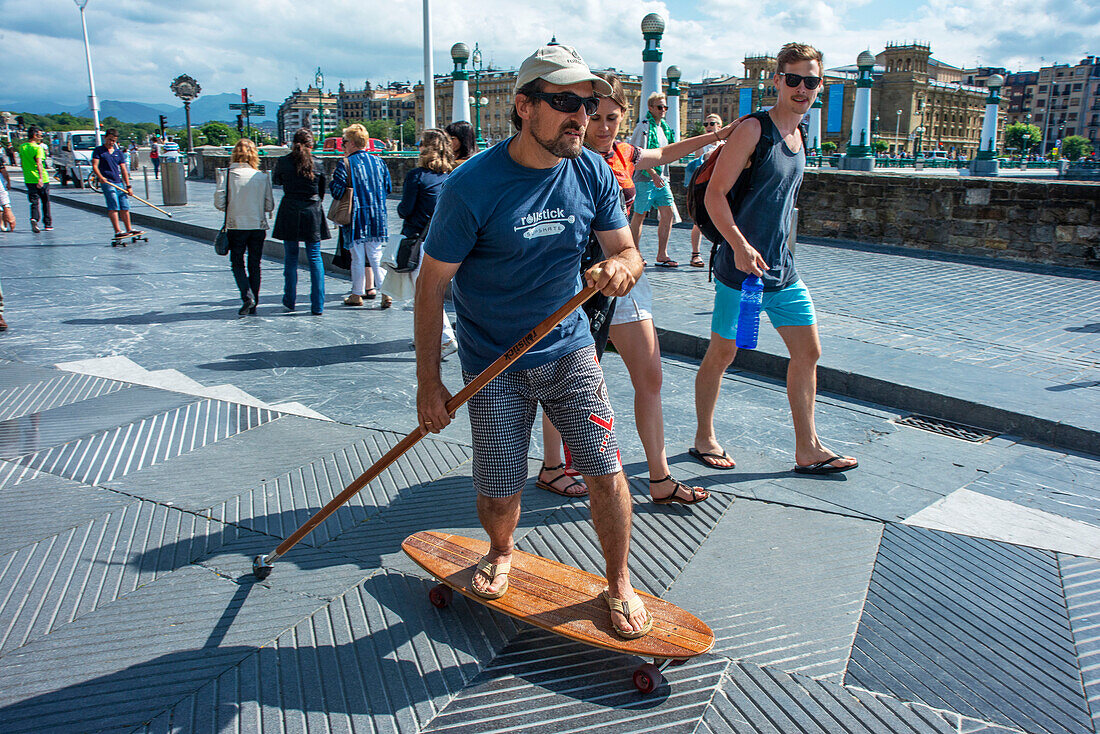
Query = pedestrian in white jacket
x=248 y=193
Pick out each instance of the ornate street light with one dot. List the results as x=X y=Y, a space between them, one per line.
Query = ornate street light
x=477 y=101
x=186 y=89
x=93 y=101
x=897 y=133
x=319 y=80
x=760 y=96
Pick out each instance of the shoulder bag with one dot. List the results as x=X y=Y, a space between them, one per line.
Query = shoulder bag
x=407 y=257
x=221 y=242
x=339 y=211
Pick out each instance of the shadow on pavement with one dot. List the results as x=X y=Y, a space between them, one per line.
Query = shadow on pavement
x=314 y=357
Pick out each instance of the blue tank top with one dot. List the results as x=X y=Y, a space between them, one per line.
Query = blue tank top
x=764 y=215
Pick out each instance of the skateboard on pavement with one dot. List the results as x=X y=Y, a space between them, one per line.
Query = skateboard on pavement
x=563 y=600
x=126 y=239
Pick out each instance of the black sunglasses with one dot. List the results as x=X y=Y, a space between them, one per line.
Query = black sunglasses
x=793 y=80
x=568 y=102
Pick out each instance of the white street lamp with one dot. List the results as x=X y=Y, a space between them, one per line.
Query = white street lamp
x=93 y=102
x=897 y=133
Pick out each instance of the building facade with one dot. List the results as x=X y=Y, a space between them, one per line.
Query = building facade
x=394 y=103
x=300 y=110
x=497 y=87
x=1067 y=102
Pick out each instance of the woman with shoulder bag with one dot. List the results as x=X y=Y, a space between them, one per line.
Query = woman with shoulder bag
x=300 y=219
x=418 y=198
x=244 y=194
x=369 y=179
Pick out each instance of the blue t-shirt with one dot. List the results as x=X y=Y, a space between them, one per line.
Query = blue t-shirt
x=519 y=233
x=110 y=162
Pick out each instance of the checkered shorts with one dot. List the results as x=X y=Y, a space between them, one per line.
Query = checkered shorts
x=574 y=396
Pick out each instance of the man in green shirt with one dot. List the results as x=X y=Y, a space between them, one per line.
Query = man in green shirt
x=32 y=154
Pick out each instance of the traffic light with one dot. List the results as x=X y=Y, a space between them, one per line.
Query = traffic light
x=163 y=123
x=240 y=124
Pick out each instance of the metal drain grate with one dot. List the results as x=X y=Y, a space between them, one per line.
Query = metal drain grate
x=946 y=428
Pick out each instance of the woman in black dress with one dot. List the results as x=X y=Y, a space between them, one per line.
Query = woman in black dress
x=301 y=219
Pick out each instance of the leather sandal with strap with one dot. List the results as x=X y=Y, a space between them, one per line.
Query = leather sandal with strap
x=627 y=608
x=697 y=494
x=562 y=490
x=491 y=571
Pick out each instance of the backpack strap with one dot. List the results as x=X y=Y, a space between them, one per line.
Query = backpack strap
x=767 y=139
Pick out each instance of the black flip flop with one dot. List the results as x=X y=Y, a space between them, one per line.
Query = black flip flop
x=667 y=264
x=702 y=456
x=824 y=467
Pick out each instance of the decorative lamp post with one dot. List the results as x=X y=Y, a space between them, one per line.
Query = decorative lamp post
x=985 y=163
x=673 y=77
x=653 y=27
x=859 y=156
x=875 y=133
x=460 y=106
x=760 y=96
x=897 y=133
x=186 y=89
x=478 y=101
x=917 y=136
x=93 y=101
x=319 y=80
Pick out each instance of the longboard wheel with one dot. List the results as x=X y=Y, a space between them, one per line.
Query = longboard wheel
x=648 y=678
x=440 y=596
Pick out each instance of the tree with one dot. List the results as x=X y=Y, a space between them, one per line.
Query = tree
x=828 y=147
x=382 y=129
x=696 y=129
x=880 y=146
x=408 y=132
x=1014 y=136
x=218 y=133
x=1076 y=146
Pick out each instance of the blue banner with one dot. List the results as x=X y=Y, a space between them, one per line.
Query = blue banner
x=834 y=109
x=744 y=104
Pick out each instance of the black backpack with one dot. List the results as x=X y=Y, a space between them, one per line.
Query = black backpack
x=697 y=187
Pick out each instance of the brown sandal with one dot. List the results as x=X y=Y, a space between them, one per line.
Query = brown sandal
x=696 y=261
x=563 y=491
x=698 y=494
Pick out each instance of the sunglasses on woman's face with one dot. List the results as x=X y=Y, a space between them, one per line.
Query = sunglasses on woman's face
x=568 y=102
x=710 y=124
x=793 y=80
x=660 y=106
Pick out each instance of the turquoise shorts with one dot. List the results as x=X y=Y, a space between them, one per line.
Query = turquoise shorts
x=651 y=197
x=791 y=306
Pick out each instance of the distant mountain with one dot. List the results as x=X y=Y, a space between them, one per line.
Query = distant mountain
x=203 y=109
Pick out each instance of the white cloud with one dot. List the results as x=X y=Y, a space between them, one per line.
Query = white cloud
x=138 y=46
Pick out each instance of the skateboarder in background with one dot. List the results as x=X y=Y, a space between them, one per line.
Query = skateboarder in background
x=509 y=228
x=109 y=164
x=756 y=244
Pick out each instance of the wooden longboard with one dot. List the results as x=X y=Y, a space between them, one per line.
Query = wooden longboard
x=559 y=598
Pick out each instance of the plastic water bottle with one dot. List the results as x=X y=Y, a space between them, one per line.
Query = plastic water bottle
x=748 y=318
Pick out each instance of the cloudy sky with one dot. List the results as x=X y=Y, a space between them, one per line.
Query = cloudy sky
x=138 y=46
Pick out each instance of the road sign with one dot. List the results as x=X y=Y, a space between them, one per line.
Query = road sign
x=252 y=109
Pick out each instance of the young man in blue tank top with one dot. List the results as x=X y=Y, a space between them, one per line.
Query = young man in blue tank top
x=756 y=244
x=509 y=227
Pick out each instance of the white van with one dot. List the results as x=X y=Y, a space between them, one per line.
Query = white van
x=72 y=156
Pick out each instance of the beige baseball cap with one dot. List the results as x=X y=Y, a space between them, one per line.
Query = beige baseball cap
x=558 y=64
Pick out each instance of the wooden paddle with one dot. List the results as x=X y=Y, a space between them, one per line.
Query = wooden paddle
x=263 y=565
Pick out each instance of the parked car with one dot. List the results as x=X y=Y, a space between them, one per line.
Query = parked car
x=334 y=144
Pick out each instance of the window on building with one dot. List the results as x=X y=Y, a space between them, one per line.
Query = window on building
x=1070 y=131
x=1077 y=87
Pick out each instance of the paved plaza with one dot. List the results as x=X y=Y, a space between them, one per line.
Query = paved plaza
x=153 y=442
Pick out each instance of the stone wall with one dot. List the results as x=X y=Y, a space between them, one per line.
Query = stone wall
x=1050 y=222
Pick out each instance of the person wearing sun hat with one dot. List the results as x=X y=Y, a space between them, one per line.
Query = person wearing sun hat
x=510 y=227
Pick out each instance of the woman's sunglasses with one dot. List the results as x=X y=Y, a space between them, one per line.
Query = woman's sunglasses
x=568 y=102
x=793 y=80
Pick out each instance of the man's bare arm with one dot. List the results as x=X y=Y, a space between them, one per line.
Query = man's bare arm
x=734 y=159
x=623 y=266
x=431 y=394
x=651 y=157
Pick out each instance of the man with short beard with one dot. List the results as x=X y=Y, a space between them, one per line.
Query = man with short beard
x=510 y=227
